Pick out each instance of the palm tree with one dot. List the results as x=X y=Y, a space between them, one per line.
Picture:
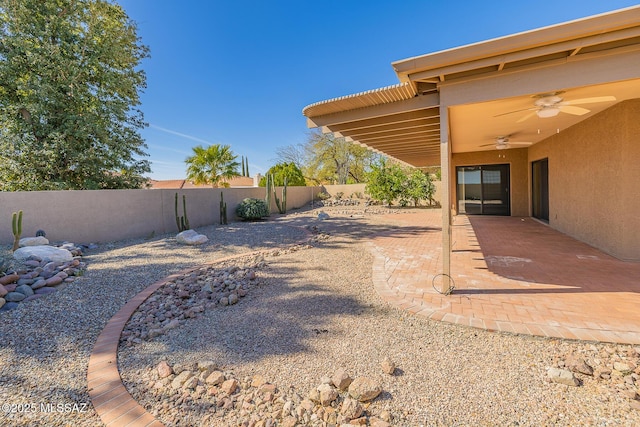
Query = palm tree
x=212 y=165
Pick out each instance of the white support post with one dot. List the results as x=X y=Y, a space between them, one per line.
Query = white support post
x=445 y=165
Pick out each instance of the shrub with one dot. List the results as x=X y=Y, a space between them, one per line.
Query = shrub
x=323 y=196
x=252 y=209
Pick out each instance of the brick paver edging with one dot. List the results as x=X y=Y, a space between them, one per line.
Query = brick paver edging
x=110 y=398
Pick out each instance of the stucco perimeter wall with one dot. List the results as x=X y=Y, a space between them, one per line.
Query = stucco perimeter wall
x=107 y=215
x=515 y=157
x=594 y=180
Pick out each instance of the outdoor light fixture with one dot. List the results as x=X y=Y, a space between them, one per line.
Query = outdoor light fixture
x=547 y=112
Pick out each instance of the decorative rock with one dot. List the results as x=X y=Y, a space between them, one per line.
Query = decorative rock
x=53 y=281
x=377 y=422
x=45 y=291
x=215 y=378
x=9 y=306
x=179 y=381
x=577 y=364
x=164 y=370
x=33 y=241
x=388 y=367
x=257 y=381
x=233 y=298
x=190 y=237
x=25 y=289
x=341 y=379
x=622 y=367
x=364 y=389
x=11 y=288
x=39 y=284
x=229 y=386
x=43 y=252
x=32 y=297
x=9 y=278
x=224 y=301
x=351 y=408
x=563 y=376
x=2 y=302
x=172 y=324
x=15 y=297
x=322 y=216
x=3 y=291
x=207 y=366
x=327 y=394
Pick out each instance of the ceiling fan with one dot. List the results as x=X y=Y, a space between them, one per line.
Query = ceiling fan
x=551 y=104
x=503 y=143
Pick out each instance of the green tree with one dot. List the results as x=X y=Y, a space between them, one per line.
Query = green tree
x=282 y=170
x=418 y=186
x=69 y=88
x=212 y=165
x=385 y=182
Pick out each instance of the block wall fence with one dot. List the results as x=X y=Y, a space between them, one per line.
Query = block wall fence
x=108 y=215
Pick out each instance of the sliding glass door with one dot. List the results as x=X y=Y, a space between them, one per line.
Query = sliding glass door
x=483 y=190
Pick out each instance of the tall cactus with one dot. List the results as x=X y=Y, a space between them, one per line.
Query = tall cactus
x=269 y=186
x=223 y=210
x=282 y=205
x=16 y=225
x=182 y=221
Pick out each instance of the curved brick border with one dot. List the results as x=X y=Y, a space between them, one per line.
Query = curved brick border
x=110 y=398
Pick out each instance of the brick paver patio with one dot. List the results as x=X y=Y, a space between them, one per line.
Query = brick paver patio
x=511 y=274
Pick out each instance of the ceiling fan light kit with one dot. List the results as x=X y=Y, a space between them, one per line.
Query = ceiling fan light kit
x=547 y=112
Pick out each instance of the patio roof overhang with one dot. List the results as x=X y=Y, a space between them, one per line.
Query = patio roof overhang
x=590 y=57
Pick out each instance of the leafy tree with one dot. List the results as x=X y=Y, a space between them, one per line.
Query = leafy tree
x=212 y=165
x=418 y=186
x=282 y=170
x=69 y=88
x=385 y=182
x=327 y=159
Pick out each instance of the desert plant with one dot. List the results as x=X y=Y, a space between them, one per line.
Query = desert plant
x=267 y=197
x=339 y=195
x=282 y=206
x=182 y=221
x=223 y=210
x=323 y=195
x=252 y=209
x=16 y=225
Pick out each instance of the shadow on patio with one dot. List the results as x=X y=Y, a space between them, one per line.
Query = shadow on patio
x=513 y=275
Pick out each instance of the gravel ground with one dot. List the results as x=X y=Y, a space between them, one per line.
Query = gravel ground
x=314 y=311
x=311 y=312
x=45 y=344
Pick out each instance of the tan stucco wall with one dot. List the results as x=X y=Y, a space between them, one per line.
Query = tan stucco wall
x=594 y=180
x=515 y=157
x=107 y=215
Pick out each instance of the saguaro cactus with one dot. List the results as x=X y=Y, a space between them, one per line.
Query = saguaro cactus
x=16 y=225
x=282 y=205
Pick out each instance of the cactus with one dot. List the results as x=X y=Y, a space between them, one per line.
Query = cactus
x=182 y=221
x=16 y=223
x=269 y=186
x=41 y=233
x=282 y=206
x=223 y=210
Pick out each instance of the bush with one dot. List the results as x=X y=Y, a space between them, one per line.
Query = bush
x=323 y=196
x=252 y=209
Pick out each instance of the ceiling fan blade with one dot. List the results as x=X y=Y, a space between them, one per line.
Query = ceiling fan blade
x=520 y=143
x=515 y=111
x=592 y=100
x=528 y=116
x=576 y=111
x=488 y=145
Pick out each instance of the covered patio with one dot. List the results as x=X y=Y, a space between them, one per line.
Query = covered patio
x=541 y=129
x=511 y=274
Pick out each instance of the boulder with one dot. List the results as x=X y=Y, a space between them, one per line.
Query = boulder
x=364 y=389
x=33 y=241
x=43 y=252
x=563 y=376
x=190 y=237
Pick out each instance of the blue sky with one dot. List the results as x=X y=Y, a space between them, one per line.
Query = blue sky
x=240 y=72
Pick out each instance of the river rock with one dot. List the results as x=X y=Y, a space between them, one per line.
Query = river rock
x=33 y=241
x=25 y=289
x=3 y=291
x=191 y=237
x=43 y=252
x=14 y=297
x=2 y=302
x=9 y=278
